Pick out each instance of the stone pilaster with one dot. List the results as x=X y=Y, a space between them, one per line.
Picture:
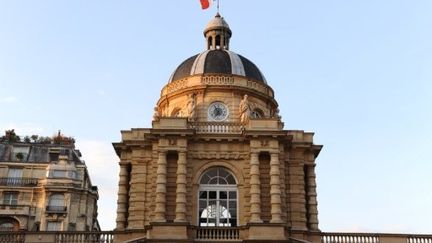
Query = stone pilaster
x=275 y=192
x=181 y=188
x=122 y=201
x=297 y=196
x=255 y=191
x=311 y=198
x=161 y=181
x=137 y=196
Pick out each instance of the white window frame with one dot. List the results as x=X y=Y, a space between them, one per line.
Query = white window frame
x=218 y=188
x=10 y=198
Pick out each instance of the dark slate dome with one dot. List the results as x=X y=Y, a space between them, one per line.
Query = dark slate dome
x=218 y=62
x=218 y=59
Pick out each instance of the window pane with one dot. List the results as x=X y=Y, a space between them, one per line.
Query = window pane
x=233 y=195
x=10 y=198
x=56 y=200
x=203 y=195
x=54 y=226
x=222 y=195
x=15 y=173
x=202 y=204
x=212 y=194
x=230 y=179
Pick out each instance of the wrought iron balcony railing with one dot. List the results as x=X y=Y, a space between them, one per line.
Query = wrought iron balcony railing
x=18 y=181
x=56 y=209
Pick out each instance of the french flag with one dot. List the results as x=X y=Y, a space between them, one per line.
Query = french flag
x=205 y=4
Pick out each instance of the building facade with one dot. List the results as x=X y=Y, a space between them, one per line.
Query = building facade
x=216 y=163
x=45 y=186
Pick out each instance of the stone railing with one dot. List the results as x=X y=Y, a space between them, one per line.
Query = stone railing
x=85 y=237
x=231 y=234
x=373 y=238
x=18 y=181
x=7 y=237
x=217 y=127
x=218 y=233
x=348 y=238
x=57 y=237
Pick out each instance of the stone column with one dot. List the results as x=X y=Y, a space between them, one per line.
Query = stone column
x=311 y=197
x=122 y=200
x=181 y=188
x=275 y=192
x=161 y=181
x=255 y=191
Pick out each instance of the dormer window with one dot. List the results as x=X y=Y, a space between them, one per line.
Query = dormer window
x=20 y=153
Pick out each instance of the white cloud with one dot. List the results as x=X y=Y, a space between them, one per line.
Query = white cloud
x=102 y=164
x=9 y=100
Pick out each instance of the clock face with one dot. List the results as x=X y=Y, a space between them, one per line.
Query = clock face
x=217 y=111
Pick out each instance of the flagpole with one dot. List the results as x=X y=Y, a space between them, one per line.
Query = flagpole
x=217 y=6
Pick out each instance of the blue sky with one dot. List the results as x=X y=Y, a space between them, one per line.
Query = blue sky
x=357 y=73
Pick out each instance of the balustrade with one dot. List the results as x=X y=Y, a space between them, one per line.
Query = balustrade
x=231 y=234
x=349 y=238
x=85 y=237
x=217 y=127
x=218 y=233
x=420 y=239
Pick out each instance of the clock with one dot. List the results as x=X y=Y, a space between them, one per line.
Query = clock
x=217 y=111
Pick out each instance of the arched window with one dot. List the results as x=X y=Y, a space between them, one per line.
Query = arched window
x=217 y=198
x=210 y=43
x=176 y=113
x=8 y=224
x=218 y=42
x=56 y=203
x=257 y=113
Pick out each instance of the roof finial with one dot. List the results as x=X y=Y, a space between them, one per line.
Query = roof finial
x=217 y=8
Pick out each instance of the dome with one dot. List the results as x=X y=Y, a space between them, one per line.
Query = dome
x=218 y=59
x=217 y=22
x=218 y=62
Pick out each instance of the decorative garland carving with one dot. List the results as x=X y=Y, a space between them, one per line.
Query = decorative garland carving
x=179 y=84
x=257 y=86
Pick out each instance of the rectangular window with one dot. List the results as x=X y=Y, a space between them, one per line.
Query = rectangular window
x=14 y=177
x=58 y=173
x=10 y=198
x=15 y=173
x=53 y=226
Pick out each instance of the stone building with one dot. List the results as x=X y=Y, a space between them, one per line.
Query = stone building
x=45 y=186
x=217 y=163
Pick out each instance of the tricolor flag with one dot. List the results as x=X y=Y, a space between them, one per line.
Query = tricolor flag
x=205 y=4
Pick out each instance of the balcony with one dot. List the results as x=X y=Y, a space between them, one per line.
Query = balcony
x=217 y=127
x=205 y=234
x=18 y=181
x=56 y=209
x=218 y=233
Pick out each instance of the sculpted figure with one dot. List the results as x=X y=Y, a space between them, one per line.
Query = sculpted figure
x=244 y=109
x=156 y=114
x=191 y=105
